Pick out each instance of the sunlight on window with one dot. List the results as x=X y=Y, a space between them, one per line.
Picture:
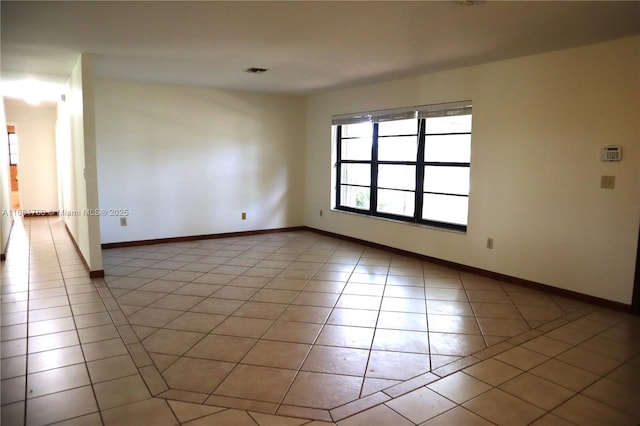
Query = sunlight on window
x=356 y=149
x=398 y=148
x=446 y=180
x=13 y=149
x=355 y=196
x=445 y=208
x=448 y=148
x=410 y=165
x=398 y=127
x=397 y=176
x=358 y=130
x=396 y=202
x=356 y=174
x=449 y=124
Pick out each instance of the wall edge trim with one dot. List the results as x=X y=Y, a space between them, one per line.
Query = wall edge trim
x=106 y=246
x=3 y=256
x=92 y=274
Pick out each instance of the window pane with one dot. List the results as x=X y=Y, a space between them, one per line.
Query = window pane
x=358 y=130
x=397 y=176
x=356 y=174
x=448 y=148
x=398 y=127
x=13 y=143
x=396 y=202
x=451 y=124
x=450 y=180
x=445 y=208
x=13 y=149
x=354 y=196
x=399 y=148
x=356 y=149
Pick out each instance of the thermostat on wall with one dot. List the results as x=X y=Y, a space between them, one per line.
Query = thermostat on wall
x=612 y=153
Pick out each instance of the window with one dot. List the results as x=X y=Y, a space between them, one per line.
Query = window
x=13 y=149
x=408 y=164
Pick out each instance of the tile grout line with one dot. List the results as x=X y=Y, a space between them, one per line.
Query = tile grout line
x=342 y=292
x=375 y=328
x=73 y=316
x=574 y=316
x=299 y=369
x=26 y=364
x=231 y=314
x=257 y=340
x=473 y=310
x=378 y=313
x=322 y=326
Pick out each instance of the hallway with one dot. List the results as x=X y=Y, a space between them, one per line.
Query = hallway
x=314 y=329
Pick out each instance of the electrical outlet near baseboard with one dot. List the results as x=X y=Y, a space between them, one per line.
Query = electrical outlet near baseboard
x=490 y=243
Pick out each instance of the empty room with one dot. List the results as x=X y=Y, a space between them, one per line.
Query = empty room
x=313 y=213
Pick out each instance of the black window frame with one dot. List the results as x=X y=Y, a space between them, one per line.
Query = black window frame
x=419 y=165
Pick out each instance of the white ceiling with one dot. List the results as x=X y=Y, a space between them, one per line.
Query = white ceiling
x=308 y=46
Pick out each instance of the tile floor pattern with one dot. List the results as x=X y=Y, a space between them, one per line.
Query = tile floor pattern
x=296 y=329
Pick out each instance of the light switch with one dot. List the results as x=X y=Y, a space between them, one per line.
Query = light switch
x=607 y=182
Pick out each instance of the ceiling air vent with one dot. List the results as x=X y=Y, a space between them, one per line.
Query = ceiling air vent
x=256 y=70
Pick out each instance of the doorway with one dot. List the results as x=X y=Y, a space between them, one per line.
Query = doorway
x=12 y=139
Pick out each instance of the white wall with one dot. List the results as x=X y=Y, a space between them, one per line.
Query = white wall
x=188 y=161
x=76 y=148
x=538 y=125
x=35 y=127
x=5 y=189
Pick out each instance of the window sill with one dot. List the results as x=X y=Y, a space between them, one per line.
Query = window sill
x=399 y=222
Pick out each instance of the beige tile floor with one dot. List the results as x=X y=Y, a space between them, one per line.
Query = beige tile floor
x=296 y=329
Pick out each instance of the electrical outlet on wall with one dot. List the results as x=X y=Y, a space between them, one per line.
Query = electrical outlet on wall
x=123 y=221
x=490 y=243
x=244 y=216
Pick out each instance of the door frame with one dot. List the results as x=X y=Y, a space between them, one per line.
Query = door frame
x=635 y=301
